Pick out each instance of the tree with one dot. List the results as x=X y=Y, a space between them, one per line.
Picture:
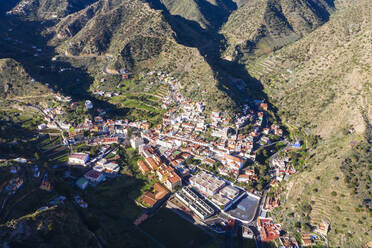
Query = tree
x=93 y=223
x=37 y=157
x=298 y=224
x=189 y=161
x=93 y=150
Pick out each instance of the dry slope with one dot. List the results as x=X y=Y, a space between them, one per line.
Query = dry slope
x=322 y=85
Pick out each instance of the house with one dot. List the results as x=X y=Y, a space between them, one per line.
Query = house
x=42 y=126
x=221 y=133
x=152 y=163
x=145 y=125
x=271 y=203
x=136 y=142
x=233 y=161
x=158 y=193
x=13 y=169
x=268 y=229
x=112 y=140
x=99 y=168
x=297 y=144
x=223 y=170
x=209 y=161
x=94 y=176
x=323 y=228
x=36 y=171
x=73 y=105
x=247 y=233
x=82 y=183
x=124 y=74
x=143 y=167
x=289 y=242
x=14 y=184
x=88 y=104
x=173 y=180
x=307 y=240
x=278 y=132
x=80 y=201
x=101 y=162
x=182 y=171
x=263 y=106
x=46 y=185
x=111 y=168
x=78 y=159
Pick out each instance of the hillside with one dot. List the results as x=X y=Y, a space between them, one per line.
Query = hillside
x=259 y=27
x=48 y=228
x=323 y=88
x=16 y=82
x=47 y=9
x=310 y=59
x=208 y=14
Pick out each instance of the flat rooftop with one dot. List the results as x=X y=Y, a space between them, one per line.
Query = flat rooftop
x=245 y=209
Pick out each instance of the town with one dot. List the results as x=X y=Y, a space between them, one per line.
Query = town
x=204 y=164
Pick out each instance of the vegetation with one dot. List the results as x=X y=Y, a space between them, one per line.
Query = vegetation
x=357 y=172
x=166 y=226
x=317 y=85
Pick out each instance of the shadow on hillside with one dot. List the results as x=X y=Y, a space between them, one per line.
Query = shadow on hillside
x=20 y=40
x=228 y=74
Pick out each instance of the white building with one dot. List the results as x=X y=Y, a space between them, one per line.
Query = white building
x=94 y=176
x=206 y=183
x=88 y=104
x=42 y=126
x=136 y=142
x=78 y=159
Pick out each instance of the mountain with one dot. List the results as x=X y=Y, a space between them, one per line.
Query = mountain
x=321 y=86
x=259 y=27
x=135 y=37
x=310 y=59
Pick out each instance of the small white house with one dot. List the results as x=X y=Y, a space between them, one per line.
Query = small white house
x=88 y=104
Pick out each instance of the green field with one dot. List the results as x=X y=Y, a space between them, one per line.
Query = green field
x=173 y=231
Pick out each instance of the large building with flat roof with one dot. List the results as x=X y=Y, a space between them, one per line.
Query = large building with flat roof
x=226 y=196
x=78 y=159
x=197 y=205
x=206 y=183
x=245 y=208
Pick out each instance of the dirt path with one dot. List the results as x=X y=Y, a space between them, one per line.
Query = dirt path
x=28 y=97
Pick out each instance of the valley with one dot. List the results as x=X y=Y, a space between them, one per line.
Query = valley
x=113 y=111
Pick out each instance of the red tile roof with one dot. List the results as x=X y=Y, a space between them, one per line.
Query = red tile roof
x=269 y=231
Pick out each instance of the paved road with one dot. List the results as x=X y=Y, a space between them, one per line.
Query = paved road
x=103 y=155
